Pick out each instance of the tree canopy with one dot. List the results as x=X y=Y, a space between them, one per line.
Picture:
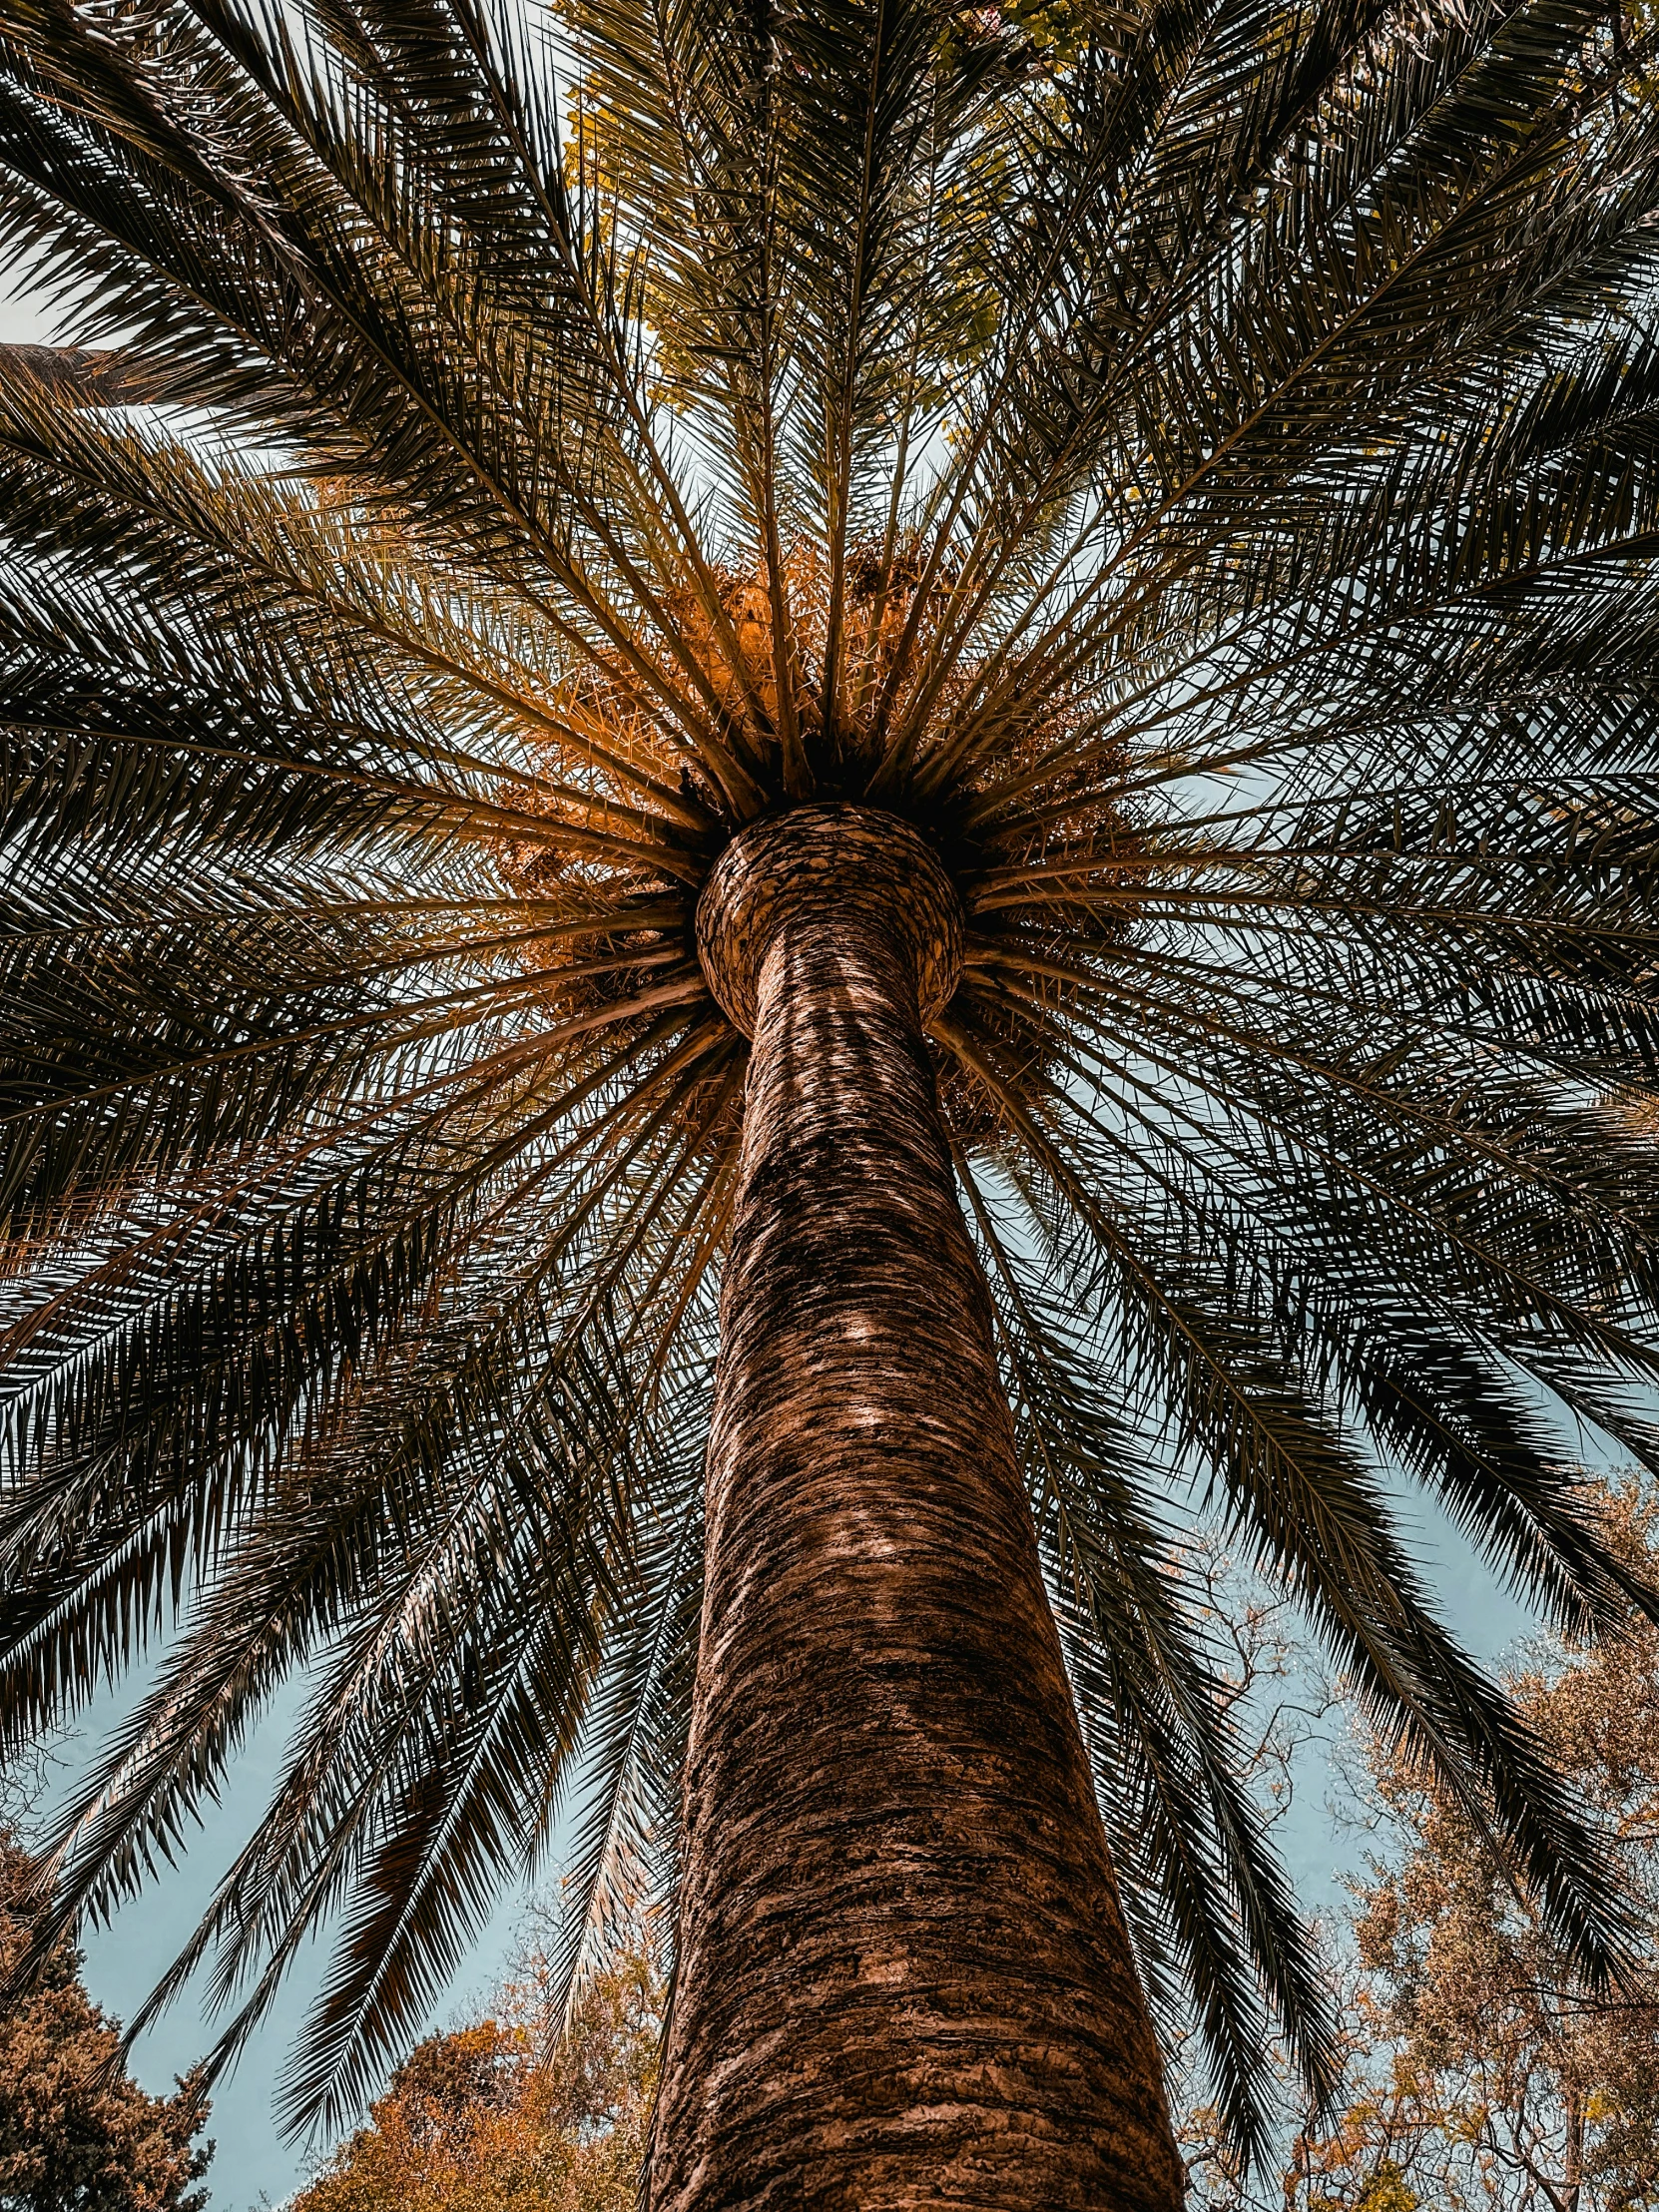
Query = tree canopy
x=1480 y=2070
x=508 y=2113
x=77 y=2133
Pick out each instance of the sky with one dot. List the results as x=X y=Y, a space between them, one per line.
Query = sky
x=252 y=2164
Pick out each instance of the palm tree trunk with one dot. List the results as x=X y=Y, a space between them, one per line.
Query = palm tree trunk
x=904 y=1978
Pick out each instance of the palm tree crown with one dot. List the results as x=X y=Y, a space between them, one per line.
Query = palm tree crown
x=1193 y=461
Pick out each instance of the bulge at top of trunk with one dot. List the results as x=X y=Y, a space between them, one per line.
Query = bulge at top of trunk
x=858 y=859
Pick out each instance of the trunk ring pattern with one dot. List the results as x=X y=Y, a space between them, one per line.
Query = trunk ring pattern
x=852 y=858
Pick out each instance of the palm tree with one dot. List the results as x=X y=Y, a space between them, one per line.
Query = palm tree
x=807 y=809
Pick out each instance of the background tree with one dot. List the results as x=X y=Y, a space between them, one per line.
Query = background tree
x=511 y=2115
x=958 y=701
x=1480 y=2070
x=77 y=2135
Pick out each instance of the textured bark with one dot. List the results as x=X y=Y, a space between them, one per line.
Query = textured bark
x=904 y=1978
